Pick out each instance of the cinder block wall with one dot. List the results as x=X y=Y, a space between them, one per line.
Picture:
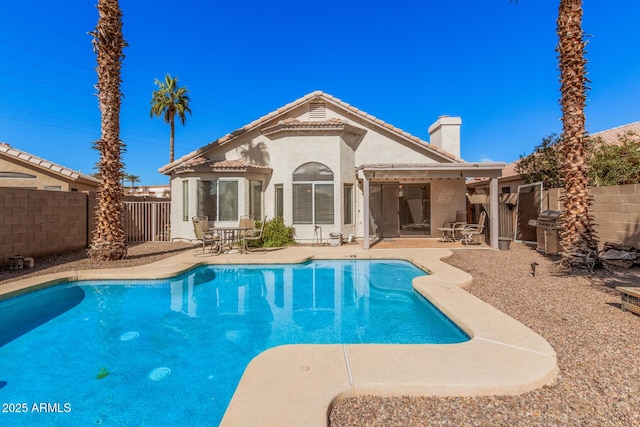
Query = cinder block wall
x=616 y=211
x=35 y=223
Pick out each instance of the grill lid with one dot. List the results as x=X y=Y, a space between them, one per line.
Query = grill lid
x=549 y=215
x=548 y=219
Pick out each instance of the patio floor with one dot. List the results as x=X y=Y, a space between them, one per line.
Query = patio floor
x=423 y=243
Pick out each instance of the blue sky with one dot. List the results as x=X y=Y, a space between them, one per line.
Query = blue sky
x=491 y=62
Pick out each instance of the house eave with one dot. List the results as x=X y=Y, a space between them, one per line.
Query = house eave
x=222 y=170
x=285 y=127
x=430 y=170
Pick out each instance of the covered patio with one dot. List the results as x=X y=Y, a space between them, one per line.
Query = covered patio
x=394 y=176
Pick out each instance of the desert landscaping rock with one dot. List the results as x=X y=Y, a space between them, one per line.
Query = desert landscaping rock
x=598 y=348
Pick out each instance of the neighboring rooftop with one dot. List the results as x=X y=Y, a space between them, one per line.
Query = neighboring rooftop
x=25 y=157
x=608 y=137
x=611 y=136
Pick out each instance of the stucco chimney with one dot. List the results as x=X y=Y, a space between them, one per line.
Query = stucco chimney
x=445 y=134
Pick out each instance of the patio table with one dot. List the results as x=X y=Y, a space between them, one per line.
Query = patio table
x=448 y=234
x=230 y=236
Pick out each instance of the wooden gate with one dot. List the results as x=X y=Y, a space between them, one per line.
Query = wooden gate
x=147 y=221
x=507 y=214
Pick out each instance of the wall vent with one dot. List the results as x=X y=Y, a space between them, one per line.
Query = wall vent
x=317 y=110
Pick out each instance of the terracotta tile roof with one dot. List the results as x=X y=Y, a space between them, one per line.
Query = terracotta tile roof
x=222 y=165
x=330 y=124
x=290 y=106
x=25 y=157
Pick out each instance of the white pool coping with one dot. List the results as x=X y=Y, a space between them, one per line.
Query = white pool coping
x=295 y=385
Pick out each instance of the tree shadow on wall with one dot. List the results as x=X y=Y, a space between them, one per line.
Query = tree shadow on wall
x=255 y=153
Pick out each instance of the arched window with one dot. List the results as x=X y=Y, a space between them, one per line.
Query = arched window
x=313 y=194
x=313 y=171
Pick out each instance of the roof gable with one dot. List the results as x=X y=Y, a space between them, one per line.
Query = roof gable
x=312 y=98
x=35 y=162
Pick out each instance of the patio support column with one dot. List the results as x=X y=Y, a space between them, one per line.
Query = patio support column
x=493 y=207
x=365 y=214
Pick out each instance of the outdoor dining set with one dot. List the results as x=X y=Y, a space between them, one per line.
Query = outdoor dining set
x=232 y=239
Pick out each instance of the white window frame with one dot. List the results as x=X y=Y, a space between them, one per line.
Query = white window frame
x=278 y=199
x=314 y=184
x=217 y=213
x=347 y=189
x=185 y=200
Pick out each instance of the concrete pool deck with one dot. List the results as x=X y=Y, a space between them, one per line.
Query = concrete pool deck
x=297 y=384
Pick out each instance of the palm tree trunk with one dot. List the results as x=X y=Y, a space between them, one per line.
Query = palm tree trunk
x=171 y=139
x=578 y=236
x=109 y=238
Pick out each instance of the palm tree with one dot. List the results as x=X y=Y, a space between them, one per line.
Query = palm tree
x=578 y=235
x=168 y=101
x=109 y=240
x=133 y=179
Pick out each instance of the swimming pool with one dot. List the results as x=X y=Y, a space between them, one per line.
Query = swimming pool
x=174 y=350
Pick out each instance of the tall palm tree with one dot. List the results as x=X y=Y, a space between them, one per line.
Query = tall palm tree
x=109 y=240
x=168 y=101
x=578 y=235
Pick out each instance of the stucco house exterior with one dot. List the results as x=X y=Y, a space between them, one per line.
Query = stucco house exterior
x=20 y=169
x=327 y=167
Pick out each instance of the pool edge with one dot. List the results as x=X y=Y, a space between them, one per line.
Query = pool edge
x=502 y=357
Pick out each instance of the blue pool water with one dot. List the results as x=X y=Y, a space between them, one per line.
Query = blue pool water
x=171 y=352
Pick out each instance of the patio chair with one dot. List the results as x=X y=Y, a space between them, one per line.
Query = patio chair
x=201 y=228
x=470 y=230
x=455 y=226
x=247 y=221
x=254 y=235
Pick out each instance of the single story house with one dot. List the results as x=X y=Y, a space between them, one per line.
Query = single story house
x=23 y=170
x=328 y=167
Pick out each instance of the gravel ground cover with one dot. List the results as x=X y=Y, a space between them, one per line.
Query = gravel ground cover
x=598 y=348
x=138 y=254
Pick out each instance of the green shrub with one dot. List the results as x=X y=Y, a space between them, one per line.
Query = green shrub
x=608 y=164
x=276 y=234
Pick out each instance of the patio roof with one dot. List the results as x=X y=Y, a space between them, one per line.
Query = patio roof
x=430 y=170
x=400 y=171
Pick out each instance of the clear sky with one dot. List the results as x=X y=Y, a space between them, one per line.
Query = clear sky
x=491 y=62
